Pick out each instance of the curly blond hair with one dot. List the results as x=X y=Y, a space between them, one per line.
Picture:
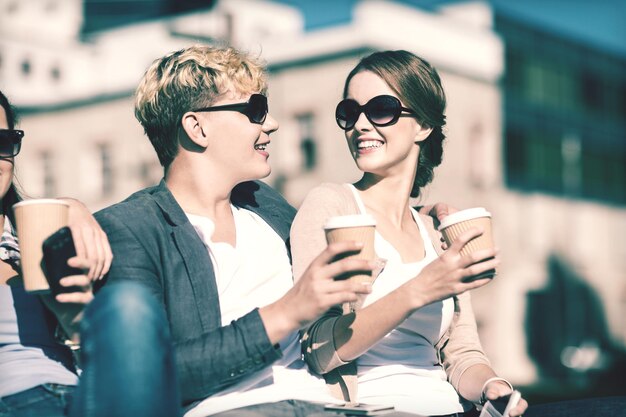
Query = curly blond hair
x=190 y=78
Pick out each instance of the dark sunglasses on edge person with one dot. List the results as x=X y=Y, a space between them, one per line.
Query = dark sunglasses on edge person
x=10 y=142
x=256 y=108
x=380 y=111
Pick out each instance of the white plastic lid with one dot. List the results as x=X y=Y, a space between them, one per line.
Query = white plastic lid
x=40 y=201
x=463 y=215
x=353 y=220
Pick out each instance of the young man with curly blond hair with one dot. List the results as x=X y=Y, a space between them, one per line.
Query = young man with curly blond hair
x=211 y=241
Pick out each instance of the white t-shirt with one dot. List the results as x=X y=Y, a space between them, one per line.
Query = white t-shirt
x=402 y=369
x=255 y=273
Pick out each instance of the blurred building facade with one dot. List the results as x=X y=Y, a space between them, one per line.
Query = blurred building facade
x=542 y=152
x=564 y=154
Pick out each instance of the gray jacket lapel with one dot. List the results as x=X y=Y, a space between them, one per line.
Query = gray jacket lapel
x=263 y=200
x=193 y=253
x=254 y=196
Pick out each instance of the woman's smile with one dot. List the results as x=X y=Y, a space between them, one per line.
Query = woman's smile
x=367 y=145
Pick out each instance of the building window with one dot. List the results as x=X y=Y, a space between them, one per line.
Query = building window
x=48 y=180
x=591 y=91
x=229 y=31
x=12 y=7
x=515 y=156
x=603 y=172
x=534 y=160
x=26 y=68
x=514 y=69
x=621 y=108
x=51 y=6
x=544 y=161
x=477 y=154
x=570 y=152
x=308 y=146
x=106 y=168
x=55 y=73
x=534 y=81
x=548 y=83
x=149 y=172
x=568 y=95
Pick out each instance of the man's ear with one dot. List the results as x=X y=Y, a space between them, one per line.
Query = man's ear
x=422 y=133
x=192 y=127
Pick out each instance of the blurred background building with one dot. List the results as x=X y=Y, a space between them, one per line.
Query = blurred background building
x=536 y=121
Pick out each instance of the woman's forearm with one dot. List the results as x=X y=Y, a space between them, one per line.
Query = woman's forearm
x=473 y=379
x=355 y=333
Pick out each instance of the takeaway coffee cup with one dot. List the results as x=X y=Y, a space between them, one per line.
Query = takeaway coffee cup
x=457 y=223
x=359 y=228
x=35 y=221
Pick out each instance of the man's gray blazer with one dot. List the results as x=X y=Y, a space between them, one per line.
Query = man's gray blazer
x=154 y=243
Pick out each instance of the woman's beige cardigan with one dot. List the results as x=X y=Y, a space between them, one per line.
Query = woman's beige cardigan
x=457 y=350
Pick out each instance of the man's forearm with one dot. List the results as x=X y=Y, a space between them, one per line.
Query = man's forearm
x=212 y=361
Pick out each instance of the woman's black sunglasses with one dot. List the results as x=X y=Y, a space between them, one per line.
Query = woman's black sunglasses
x=256 y=108
x=380 y=111
x=10 y=142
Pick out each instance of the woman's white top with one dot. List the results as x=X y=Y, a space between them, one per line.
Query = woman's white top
x=402 y=369
x=254 y=273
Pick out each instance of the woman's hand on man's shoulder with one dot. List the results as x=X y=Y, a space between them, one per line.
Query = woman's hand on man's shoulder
x=91 y=242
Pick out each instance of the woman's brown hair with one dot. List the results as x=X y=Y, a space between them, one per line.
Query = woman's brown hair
x=12 y=196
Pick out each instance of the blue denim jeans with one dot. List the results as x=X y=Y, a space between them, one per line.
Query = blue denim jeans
x=127 y=361
x=47 y=400
x=126 y=355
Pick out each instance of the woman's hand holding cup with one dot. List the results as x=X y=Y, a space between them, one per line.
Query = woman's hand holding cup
x=452 y=273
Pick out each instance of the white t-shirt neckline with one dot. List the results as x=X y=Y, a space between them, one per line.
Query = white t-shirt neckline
x=254 y=273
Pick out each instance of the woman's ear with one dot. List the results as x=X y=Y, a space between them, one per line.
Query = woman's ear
x=192 y=127
x=422 y=133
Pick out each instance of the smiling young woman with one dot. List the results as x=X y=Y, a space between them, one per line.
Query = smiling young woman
x=413 y=343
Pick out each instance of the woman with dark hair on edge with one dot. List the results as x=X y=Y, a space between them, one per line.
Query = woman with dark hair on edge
x=38 y=372
x=413 y=342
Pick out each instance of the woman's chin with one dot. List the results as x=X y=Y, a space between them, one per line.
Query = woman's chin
x=368 y=164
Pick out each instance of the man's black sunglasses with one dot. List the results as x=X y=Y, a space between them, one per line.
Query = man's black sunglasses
x=256 y=108
x=10 y=142
x=380 y=111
